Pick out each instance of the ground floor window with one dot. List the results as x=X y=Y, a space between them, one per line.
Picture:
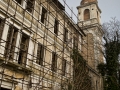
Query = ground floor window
x=5 y=89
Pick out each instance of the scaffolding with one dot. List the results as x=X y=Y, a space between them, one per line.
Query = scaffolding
x=36 y=41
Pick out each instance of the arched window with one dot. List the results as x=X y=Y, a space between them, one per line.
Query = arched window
x=86 y=14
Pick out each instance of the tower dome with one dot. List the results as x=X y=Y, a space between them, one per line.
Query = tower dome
x=87 y=1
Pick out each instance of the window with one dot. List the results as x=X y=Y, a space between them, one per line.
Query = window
x=1 y=27
x=43 y=15
x=96 y=85
x=23 y=49
x=75 y=43
x=86 y=14
x=11 y=42
x=56 y=26
x=5 y=89
x=54 y=62
x=30 y=5
x=66 y=35
x=19 y=1
x=40 y=54
x=63 y=67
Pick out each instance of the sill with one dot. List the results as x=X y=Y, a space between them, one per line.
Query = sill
x=14 y=66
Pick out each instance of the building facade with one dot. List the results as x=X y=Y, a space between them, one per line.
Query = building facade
x=36 y=41
x=89 y=20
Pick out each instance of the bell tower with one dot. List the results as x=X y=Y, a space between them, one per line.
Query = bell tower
x=91 y=49
x=88 y=11
x=89 y=20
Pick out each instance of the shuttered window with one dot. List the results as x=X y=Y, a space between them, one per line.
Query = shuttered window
x=30 y=6
x=19 y=1
x=63 y=67
x=1 y=27
x=40 y=54
x=65 y=35
x=11 y=42
x=56 y=26
x=5 y=88
x=75 y=43
x=23 y=49
x=54 y=62
x=43 y=15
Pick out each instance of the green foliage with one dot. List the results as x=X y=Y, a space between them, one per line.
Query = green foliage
x=102 y=68
x=110 y=70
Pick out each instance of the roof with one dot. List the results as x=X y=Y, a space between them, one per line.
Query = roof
x=87 y=1
x=58 y=4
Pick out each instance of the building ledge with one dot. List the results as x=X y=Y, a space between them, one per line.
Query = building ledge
x=93 y=70
x=14 y=66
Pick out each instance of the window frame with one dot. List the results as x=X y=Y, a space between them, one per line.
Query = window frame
x=40 y=49
x=75 y=42
x=64 y=63
x=65 y=35
x=23 y=51
x=11 y=42
x=86 y=14
x=30 y=8
x=56 y=27
x=19 y=2
x=54 y=62
x=43 y=15
x=2 y=23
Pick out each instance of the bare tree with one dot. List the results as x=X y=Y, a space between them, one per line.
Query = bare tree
x=81 y=79
x=111 y=69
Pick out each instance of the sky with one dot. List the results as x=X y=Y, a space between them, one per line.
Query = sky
x=109 y=8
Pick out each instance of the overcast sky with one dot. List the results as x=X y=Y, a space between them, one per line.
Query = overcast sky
x=109 y=8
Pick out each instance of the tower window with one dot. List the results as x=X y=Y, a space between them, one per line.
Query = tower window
x=43 y=15
x=30 y=5
x=86 y=14
x=40 y=54
x=54 y=62
x=23 y=49
x=56 y=26
x=66 y=35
